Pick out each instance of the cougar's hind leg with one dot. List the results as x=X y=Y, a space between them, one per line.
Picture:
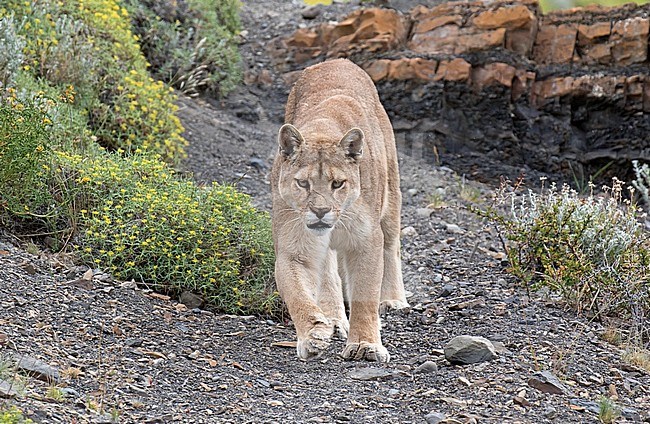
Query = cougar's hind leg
x=392 y=285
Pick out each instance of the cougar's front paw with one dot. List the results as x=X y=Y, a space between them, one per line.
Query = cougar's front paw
x=317 y=341
x=375 y=352
x=391 y=305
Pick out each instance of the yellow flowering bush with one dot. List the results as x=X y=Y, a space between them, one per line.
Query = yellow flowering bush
x=12 y=415
x=143 y=222
x=124 y=208
x=126 y=109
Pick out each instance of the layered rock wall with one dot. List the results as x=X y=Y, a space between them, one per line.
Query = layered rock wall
x=557 y=91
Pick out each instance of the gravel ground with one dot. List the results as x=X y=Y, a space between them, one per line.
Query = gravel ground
x=123 y=353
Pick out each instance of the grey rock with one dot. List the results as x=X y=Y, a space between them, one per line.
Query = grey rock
x=368 y=374
x=258 y=163
x=133 y=342
x=469 y=350
x=447 y=290
x=70 y=392
x=37 y=369
x=311 y=12
x=435 y=417
x=103 y=418
x=129 y=285
x=454 y=229
x=191 y=300
x=426 y=368
x=631 y=414
x=469 y=304
x=7 y=390
x=29 y=268
x=589 y=405
x=104 y=278
x=500 y=347
x=409 y=232
x=550 y=412
x=424 y=212
x=546 y=382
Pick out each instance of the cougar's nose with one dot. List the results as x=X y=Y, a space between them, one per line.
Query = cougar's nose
x=320 y=212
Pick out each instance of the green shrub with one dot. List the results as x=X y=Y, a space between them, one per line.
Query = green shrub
x=143 y=222
x=608 y=411
x=35 y=197
x=190 y=45
x=592 y=250
x=126 y=210
x=24 y=159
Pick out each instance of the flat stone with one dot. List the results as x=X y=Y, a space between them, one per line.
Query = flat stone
x=7 y=390
x=310 y=12
x=469 y=350
x=373 y=29
x=372 y=374
x=454 y=229
x=597 y=53
x=435 y=417
x=588 y=33
x=485 y=40
x=547 y=382
x=191 y=300
x=509 y=17
x=447 y=289
x=426 y=367
x=426 y=25
x=469 y=304
x=588 y=405
x=304 y=37
x=37 y=368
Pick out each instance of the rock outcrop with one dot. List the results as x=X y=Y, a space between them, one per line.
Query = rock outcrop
x=558 y=91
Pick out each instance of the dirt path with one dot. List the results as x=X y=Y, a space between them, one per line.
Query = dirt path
x=127 y=354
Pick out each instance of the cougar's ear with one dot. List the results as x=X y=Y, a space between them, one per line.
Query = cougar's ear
x=289 y=140
x=352 y=143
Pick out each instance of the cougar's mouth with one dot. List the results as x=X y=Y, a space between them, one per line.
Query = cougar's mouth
x=320 y=225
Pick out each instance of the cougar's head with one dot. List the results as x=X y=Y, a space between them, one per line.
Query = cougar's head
x=319 y=176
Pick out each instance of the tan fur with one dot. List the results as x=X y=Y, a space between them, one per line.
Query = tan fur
x=329 y=237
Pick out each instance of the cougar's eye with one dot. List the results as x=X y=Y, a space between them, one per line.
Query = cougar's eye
x=303 y=184
x=336 y=184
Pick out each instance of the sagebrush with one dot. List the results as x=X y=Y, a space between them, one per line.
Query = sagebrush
x=590 y=249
